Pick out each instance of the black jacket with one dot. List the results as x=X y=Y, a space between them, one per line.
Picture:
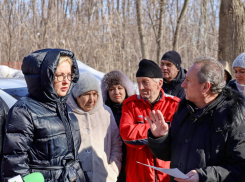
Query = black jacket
x=117 y=113
x=209 y=140
x=3 y=117
x=42 y=133
x=174 y=87
x=232 y=84
x=116 y=109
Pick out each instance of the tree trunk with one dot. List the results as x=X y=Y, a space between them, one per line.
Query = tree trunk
x=178 y=26
x=231 y=30
x=141 y=30
x=160 y=32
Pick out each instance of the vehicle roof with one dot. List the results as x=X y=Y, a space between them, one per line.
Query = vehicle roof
x=6 y=83
x=8 y=99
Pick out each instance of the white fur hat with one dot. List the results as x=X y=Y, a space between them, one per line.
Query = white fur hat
x=86 y=82
x=239 y=61
x=116 y=77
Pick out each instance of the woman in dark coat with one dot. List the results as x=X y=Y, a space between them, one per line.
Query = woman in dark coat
x=42 y=133
x=116 y=87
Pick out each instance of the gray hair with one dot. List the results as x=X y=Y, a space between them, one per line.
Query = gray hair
x=211 y=71
x=157 y=79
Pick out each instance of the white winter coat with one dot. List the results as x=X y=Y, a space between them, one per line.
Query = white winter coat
x=100 y=150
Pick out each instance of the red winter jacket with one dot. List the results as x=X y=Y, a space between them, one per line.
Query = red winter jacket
x=134 y=129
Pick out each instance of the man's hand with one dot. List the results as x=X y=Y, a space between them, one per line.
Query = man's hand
x=158 y=125
x=193 y=177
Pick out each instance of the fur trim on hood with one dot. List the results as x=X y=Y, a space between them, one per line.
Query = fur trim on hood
x=116 y=77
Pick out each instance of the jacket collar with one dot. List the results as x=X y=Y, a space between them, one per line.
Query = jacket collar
x=179 y=78
x=160 y=97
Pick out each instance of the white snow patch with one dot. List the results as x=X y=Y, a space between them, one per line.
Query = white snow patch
x=7 y=72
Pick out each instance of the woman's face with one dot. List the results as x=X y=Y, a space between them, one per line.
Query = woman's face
x=63 y=70
x=240 y=75
x=117 y=93
x=88 y=100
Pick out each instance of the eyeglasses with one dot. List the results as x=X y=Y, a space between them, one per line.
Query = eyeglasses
x=62 y=77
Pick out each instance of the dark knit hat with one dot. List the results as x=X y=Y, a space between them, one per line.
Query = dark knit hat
x=148 y=68
x=173 y=57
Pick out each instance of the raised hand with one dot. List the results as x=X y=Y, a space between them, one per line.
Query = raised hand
x=157 y=123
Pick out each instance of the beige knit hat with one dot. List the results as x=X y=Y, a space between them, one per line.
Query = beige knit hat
x=86 y=82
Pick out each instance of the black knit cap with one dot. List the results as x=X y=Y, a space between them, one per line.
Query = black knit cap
x=173 y=57
x=148 y=68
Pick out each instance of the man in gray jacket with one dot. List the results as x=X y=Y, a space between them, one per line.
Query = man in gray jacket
x=206 y=140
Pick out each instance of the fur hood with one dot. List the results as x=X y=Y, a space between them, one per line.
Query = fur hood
x=116 y=77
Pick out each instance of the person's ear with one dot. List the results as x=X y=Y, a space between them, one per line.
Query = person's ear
x=160 y=83
x=206 y=87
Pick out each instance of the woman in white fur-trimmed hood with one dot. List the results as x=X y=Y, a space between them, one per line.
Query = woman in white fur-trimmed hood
x=116 y=87
x=100 y=151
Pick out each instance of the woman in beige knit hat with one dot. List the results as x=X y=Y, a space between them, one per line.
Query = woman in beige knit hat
x=100 y=151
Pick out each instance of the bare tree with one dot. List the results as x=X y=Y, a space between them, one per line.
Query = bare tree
x=160 y=31
x=141 y=29
x=108 y=34
x=231 y=30
x=178 y=26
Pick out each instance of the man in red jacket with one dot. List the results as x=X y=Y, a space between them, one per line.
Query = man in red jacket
x=134 y=126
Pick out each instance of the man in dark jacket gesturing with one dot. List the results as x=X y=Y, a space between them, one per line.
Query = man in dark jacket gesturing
x=207 y=137
x=173 y=74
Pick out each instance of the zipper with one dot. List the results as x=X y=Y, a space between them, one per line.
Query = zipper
x=62 y=114
x=155 y=164
x=154 y=158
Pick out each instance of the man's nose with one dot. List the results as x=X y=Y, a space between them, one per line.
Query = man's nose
x=164 y=66
x=183 y=84
x=140 y=86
